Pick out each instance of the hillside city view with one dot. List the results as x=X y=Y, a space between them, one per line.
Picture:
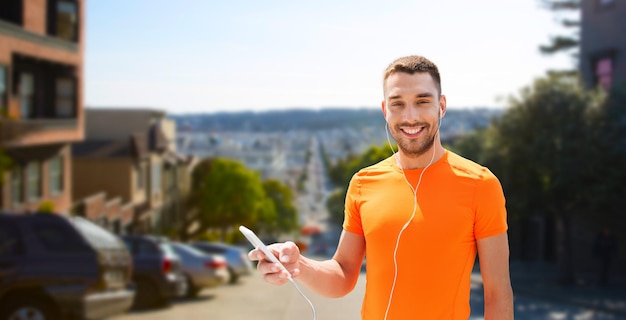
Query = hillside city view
x=136 y=140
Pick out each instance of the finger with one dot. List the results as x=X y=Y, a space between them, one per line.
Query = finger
x=266 y=267
x=288 y=253
x=255 y=255
x=275 y=279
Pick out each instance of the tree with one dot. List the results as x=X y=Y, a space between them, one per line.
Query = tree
x=226 y=194
x=569 y=42
x=335 y=205
x=343 y=171
x=282 y=199
x=541 y=150
x=607 y=143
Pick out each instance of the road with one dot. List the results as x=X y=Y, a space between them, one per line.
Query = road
x=254 y=299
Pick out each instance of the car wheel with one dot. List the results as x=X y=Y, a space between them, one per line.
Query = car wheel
x=233 y=276
x=192 y=291
x=147 y=295
x=28 y=309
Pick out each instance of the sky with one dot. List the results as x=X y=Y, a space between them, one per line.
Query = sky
x=211 y=56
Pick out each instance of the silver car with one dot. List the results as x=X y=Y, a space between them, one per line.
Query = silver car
x=237 y=258
x=200 y=269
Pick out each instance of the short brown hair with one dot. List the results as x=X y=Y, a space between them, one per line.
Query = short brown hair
x=411 y=65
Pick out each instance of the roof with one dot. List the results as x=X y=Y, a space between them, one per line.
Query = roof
x=135 y=146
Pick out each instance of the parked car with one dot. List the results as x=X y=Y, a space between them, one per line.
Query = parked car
x=157 y=271
x=201 y=270
x=236 y=257
x=56 y=267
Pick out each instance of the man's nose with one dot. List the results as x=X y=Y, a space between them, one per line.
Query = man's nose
x=411 y=114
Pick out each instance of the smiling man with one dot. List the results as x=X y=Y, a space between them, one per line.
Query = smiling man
x=420 y=216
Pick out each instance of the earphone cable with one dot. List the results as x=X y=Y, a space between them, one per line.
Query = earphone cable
x=419 y=181
x=304 y=296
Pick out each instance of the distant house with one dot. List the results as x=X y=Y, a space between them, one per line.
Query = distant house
x=603 y=43
x=116 y=169
x=130 y=154
x=41 y=100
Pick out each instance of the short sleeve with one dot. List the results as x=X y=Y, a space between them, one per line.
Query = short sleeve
x=490 y=208
x=352 y=214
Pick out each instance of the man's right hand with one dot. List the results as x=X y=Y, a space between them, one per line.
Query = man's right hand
x=287 y=253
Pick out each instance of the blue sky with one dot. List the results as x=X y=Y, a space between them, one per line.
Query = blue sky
x=211 y=56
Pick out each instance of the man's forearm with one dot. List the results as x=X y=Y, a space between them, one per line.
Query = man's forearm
x=499 y=305
x=327 y=278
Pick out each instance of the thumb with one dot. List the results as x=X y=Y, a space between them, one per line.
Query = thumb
x=289 y=253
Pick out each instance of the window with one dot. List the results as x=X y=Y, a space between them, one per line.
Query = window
x=140 y=169
x=17 y=187
x=145 y=247
x=156 y=179
x=67 y=20
x=4 y=83
x=11 y=11
x=33 y=172
x=95 y=235
x=27 y=90
x=55 y=169
x=9 y=239
x=604 y=72
x=56 y=237
x=65 y=97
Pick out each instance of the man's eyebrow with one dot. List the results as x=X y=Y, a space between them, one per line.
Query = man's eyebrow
x=424 y=95
x=419 y=95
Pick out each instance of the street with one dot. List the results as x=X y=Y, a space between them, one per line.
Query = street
x=254 y=299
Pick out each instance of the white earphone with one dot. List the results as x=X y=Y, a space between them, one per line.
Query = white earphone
x=415 y=205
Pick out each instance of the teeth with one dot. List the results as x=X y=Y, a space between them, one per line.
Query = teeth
x=412 y=131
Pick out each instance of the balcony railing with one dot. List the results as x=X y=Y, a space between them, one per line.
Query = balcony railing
x=13 y=129
x=14 y=31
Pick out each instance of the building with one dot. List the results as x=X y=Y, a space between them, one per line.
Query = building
x=113 y=170
x=603 y=43
x=41 y=100
x=130 y=155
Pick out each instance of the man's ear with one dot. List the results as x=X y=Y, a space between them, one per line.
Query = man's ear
x=382 y=104
x=442 y=106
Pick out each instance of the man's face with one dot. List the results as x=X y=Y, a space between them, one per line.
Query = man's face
x=412 y=109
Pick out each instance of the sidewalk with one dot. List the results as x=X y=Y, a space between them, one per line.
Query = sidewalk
x=541 y=281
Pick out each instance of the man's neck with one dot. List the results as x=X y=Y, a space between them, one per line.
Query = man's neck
x=428 y=158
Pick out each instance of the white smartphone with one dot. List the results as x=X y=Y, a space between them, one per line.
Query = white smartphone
x=258 y=244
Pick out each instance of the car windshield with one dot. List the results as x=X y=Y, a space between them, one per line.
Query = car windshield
x=94 y=234
x=167 y=248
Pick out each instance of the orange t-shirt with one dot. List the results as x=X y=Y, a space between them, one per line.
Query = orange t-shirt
x=459 y=201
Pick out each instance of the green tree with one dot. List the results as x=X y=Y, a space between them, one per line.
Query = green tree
x=225 y=194
x=335 y=205
x=607 y=195
x=540 y=150
x=342 y=172
x=281 y=196
x=567 y=42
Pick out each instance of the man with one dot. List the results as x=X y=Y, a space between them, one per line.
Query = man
x=420 y=217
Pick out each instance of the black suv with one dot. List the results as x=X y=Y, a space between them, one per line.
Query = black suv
x=157 y=271
x=57 y=267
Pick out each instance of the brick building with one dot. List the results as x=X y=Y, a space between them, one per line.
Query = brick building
x=41 y=100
